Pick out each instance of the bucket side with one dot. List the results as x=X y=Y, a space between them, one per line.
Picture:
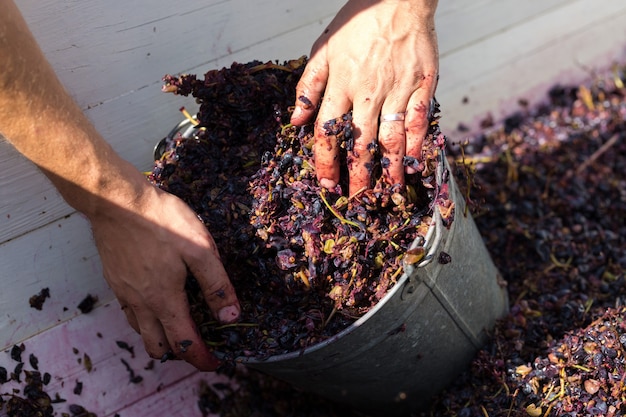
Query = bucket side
x=465 y=280
x=391 y=364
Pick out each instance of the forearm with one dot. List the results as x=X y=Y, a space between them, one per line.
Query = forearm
x=45 y=125
x=425 y=9
x=418 y=14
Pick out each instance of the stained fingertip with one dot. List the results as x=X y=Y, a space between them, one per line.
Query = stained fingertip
x=229 y=314
x=360 y=177
x=201 y=358
x=217 y=288
x=411 y=164
x=358 y=186
x=327 y=183
x=296 y=116
x=326 y=163
x=190 y=347
x=212 y=363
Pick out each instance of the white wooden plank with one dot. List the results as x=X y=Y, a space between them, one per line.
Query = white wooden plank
x=559 y=46
x=179 y=399
x=169 y=388
x=27 y=198
x=60 y=257
x=106 y=49
x=461 y=23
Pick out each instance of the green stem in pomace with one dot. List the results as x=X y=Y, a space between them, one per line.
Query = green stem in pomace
x=226 y=326
x=284 y=128
x=336 y=213
x=189 y=117
x=582 y=368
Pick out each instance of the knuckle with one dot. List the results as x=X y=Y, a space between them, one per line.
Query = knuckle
x=392 y=141
x=362 y=149
x=417 y=124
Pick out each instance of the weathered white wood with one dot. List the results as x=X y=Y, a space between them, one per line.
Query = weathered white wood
x=59 y=257
x=462 y=24
x=562 y=45
x=169 y=388
x=27 y=198
x=107 y=49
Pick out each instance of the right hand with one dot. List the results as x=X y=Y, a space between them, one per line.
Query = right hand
x=376 y=57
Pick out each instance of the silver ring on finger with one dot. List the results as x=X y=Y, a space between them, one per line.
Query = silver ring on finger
x=392 y=117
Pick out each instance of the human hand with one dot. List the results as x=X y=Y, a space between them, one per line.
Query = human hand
x=148 y=240
x=146 y=252
x=376 y=57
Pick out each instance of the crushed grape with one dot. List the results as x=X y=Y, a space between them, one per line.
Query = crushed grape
x=306 y=262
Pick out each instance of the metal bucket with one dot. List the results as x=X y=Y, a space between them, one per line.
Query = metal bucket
x=419 y=337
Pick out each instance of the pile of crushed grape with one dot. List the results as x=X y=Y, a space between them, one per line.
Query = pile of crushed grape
x=306 y=262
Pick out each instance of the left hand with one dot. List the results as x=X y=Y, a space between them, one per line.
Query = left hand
x=376 y=57
x=148 y=246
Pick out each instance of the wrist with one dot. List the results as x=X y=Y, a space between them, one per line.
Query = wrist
x=424 y=8
x=111 y=187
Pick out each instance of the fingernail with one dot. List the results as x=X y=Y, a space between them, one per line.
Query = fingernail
x=326 y=183
x=228 y=314
x=297 y=112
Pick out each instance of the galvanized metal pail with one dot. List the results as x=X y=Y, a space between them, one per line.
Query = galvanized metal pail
x=418 y=338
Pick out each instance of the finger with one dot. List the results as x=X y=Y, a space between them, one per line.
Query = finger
x=392 y=135
x=152 y=333
x=365 y=120
x=325 y=148
x=417 y=122
x=168 y=331
x=217 y=289
x=392 y=143
x=310 y=88
x=416 y=126
x=186 y=342
x=130 y=315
